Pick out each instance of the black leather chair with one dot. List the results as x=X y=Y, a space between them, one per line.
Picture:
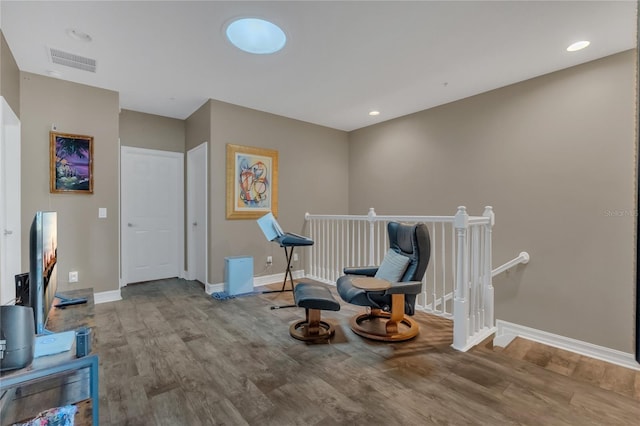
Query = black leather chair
x=388 y=309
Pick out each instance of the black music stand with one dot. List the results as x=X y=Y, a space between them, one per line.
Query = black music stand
x=287 y=240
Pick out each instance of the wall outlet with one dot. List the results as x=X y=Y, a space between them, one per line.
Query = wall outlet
x=73 y=276
x=295 y=257
x=269 y=260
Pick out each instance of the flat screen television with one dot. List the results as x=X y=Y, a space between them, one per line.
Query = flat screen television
x=43 y=259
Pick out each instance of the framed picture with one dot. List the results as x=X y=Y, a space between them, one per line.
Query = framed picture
x=252 y=182
x=70 y=163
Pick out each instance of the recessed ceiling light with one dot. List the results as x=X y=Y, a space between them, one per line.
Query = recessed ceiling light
x=374 y=113
x=78 y=35
x=578 y=45
x=256 y=36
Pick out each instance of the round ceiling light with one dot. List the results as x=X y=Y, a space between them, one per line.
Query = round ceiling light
x=256 y=36
x=578 y=45
x=374 y=113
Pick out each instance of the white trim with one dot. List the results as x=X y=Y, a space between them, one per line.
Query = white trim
x=10 y=210
x=507 y=331
x=107 y=296
x=156 y=152
x=257 y=281
x=213 y=288
x=120 y=274
x=276 y=278
x=191 y=273
x=124 y=150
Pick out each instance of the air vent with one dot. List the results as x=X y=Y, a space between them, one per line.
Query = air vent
x=74 y=61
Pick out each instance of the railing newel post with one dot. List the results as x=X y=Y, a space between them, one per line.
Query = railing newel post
x=461 y=302
x=489 y=309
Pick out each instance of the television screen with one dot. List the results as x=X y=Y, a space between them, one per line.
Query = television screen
x=43 y=257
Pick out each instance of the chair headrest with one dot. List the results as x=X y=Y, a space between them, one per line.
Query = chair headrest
x=414 y=242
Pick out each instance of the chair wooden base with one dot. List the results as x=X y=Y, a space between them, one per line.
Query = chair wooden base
x=311 y=328
x=365 y=325
x=392 y=326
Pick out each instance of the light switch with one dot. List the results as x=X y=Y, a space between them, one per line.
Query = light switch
x=102 y=212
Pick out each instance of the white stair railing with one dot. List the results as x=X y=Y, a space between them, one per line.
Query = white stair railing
x=457 y=283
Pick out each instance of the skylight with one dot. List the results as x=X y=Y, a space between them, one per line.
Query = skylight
x=256 y=36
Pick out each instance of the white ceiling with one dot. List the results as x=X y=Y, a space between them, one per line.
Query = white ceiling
x=342 y=59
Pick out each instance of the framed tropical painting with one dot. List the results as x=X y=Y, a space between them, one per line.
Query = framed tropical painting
x=70 y=163
x=252 y=182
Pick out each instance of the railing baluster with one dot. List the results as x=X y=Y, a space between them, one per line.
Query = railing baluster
x=487 y=282
x=372 y=215
x=473 y=327
x=443 y=266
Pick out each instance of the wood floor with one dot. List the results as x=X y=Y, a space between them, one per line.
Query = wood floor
x=171 y=355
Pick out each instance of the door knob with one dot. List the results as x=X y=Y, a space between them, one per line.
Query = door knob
x=195 y=224
x=8 y=232
x=130 y=225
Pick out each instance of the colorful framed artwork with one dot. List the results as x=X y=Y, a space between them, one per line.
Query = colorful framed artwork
x=70 y=163
x=252 y=182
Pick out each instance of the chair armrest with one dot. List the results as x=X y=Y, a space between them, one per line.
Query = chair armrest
x=409 y=287
x=368 y=271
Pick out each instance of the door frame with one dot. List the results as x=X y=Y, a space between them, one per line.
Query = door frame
x=200 y=150
x=126 y=150
x=10 y=217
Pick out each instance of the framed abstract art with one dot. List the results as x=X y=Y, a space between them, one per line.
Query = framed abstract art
x=252 y=182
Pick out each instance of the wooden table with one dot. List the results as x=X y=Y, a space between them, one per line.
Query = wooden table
x=62 y=369
x=371 y=284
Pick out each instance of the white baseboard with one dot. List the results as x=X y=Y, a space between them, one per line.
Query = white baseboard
x=107 y=296
x=507 y=331
x=257 y=281
x=213 y=288
x=275 y=278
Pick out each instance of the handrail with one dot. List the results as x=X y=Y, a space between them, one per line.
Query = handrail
x=383 y=218
x=523 y=258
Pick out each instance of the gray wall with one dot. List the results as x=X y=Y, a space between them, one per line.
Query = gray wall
x=9 y=77
x=554 y=156
x=312 y=176
x=85 y=243
x=149 y=131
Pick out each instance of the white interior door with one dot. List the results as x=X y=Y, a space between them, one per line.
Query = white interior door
x=197 y=200
x=152 y=214
x=10 y=242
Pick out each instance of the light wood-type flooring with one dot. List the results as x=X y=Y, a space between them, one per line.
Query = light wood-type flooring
x=172 y=355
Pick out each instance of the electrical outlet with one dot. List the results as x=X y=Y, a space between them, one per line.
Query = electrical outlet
x=269 y=260
x=295 y=257
x=73 y=276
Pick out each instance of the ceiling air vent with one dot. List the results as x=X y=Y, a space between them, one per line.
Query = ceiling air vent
x=74 y=61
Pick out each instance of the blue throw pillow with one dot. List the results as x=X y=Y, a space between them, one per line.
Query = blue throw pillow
x=392 y=267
